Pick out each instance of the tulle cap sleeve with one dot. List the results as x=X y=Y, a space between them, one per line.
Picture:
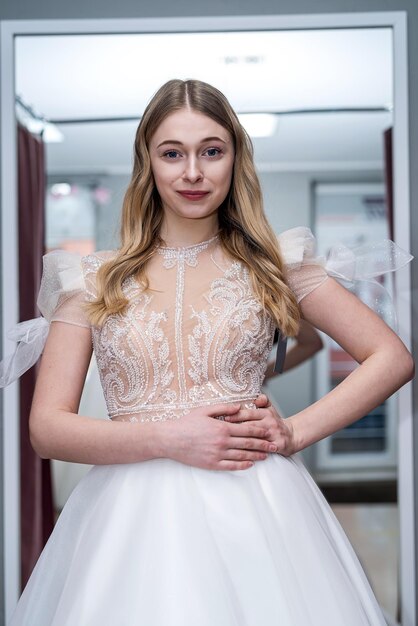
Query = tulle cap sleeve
x=60 y=298
x=62 y=290
x=305 y=270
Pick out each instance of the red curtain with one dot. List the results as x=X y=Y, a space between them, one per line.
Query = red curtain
x=37 y=516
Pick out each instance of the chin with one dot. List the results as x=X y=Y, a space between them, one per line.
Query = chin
x=195 y=212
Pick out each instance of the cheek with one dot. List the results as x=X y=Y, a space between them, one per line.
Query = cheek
x=224 y=176
x=162 y=177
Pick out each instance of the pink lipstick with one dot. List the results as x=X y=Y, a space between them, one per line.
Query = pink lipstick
x=193 y=195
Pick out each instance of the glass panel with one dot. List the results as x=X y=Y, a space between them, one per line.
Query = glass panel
x=354 y=215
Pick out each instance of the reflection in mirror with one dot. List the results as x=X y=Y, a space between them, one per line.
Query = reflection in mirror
x=357 y=465
x=316 y=104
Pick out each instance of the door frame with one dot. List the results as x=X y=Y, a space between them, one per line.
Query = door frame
x=9 y=29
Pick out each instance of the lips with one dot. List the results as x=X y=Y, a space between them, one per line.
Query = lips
x=193 y=195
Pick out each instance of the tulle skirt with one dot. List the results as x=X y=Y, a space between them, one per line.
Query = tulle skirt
x=160 y=543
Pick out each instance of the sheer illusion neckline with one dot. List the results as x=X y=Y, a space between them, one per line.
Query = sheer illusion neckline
x=193 y=246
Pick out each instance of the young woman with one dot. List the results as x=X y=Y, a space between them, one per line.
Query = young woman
x=198 y=509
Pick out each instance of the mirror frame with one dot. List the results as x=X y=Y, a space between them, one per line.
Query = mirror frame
x=9 y=431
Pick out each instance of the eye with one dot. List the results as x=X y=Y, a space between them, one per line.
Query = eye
x=214 y=152
x=169 y=154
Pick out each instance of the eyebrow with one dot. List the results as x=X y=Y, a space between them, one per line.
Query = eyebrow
x=179 y=143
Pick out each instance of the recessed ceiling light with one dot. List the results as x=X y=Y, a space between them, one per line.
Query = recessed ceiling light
x=259 y=124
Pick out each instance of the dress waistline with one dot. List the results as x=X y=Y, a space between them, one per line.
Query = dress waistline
x=163 y=412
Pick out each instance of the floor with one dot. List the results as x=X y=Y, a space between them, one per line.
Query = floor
x=373 y=530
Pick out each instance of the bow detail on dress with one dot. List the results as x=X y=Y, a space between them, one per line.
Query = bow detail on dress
x=30 y=337
x=355 y=268
x=62 y=277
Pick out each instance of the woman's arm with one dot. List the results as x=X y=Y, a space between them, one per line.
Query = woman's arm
x=307 y=343
x=58 y=432
x=385 y=365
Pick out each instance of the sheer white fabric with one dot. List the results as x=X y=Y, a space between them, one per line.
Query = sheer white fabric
x=62 y=284
x=160 y=543
x=30 y=337
x=63 y=288
x=306 y=270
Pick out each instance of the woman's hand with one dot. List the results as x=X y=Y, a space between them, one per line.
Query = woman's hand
x=279 y=431
x=199 y=440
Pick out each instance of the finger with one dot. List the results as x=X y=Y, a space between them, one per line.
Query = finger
x=246 y=415
x=249 y=429
x=234 y=465
x=248 y=443
x=284 y=449
x=245 y=455
x=218 y=410
x=262 y=401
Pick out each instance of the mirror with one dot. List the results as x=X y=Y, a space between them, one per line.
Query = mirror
x=317 y=104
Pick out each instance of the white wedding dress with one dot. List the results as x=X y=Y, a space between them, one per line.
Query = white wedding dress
x=160 y=543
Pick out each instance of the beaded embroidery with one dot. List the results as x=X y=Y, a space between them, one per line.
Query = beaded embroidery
x=171 y=350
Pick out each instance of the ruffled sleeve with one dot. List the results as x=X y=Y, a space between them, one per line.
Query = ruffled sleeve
x=63 y=289
x=60 y=298
x=355 y=268
x=305 y=271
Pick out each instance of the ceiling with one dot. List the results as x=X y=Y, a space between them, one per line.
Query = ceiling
x=113 y=76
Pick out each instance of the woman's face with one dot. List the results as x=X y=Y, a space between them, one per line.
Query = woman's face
x=190 y=152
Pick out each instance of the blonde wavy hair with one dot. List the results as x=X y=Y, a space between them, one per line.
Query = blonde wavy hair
x=245 y=233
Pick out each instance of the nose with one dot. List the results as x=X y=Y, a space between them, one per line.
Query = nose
x=192 y=170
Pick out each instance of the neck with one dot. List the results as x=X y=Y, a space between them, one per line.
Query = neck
x=186 y=232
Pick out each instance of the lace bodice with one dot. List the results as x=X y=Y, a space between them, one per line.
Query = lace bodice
x=197 y=336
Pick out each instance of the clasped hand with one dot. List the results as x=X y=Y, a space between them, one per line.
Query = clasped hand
x=236 y=442
x=279 y=431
